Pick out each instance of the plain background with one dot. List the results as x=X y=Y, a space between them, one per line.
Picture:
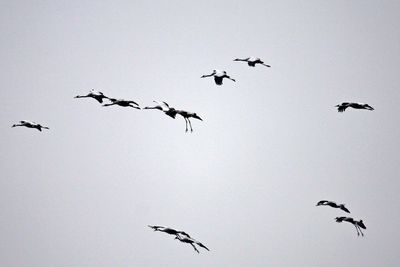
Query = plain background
x=246 y=181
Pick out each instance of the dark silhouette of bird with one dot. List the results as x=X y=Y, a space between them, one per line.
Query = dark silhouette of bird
x=168 y=230
x=30 y=124
x=218 y=76
x=187 y=115
x=191 y=241
x=333 y=205
x=99 y=96
x=122 y=103
x=342 y=107
x=357 y=224
x=164 y=107
x=252 y=61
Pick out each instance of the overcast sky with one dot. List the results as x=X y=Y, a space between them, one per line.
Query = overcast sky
x=246 y=181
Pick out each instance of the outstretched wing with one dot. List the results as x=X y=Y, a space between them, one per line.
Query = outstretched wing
x=344 y=209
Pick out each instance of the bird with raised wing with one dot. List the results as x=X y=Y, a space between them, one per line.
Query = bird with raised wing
x=333 y=205
x=252 y=61
x=357 y=224
x=164 y=107
x=342 y=107
x=30 y=124
x=191 y=241
x=99 y=96
x=218 y=76
x=122 y=103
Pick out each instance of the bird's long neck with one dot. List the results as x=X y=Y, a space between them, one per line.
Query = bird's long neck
x=241 y=59
x=81 y=96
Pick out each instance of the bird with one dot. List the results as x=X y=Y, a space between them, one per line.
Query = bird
x=333 y=205
x=191 y=241
x=122 y=103
x=342 y=107
x=30 y=124
x=168 y=230
x=164 y=107
x=252 y=61
x=99 y=96
x=187 y=115
x=218 y=76
x=357 y=224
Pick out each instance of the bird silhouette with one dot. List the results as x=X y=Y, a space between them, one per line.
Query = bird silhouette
x=218 y=76
x=122 y=103
x=187 y=115
x=168 y=230
x=333 y=205
x=342 y=107
x=164 y=107
x=30 y=124
x=252 y=61
x=357 y=224
x=191 y=241
x=99 y=96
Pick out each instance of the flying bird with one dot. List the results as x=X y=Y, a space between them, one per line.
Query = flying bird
x=333 y=205
x=187 y=115
x=99 y=96
x=30 y=124
x=357 y=224
x=342 y=107
x=191 y=241
x=218 y=76
x=164 y=107
x=252 y=61
x=168 y=230
x=122 y=103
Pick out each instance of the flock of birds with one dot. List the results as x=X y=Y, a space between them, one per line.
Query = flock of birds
x=172 y=112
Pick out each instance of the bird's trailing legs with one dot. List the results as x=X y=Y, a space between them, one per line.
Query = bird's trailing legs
x=187 y=121
x=190 y=124
x=194 y=248
x=359 y=230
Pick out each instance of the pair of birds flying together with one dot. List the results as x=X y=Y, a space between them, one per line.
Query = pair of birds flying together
x=163 y=106
x=357 y=224
x=179 y=235
x=99 y=96
x=220 y=75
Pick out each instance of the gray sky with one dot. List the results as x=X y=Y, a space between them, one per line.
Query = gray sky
x=246 y=182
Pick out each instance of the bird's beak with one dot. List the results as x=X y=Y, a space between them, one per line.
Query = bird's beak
x=13 y=125
x=197 y=117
